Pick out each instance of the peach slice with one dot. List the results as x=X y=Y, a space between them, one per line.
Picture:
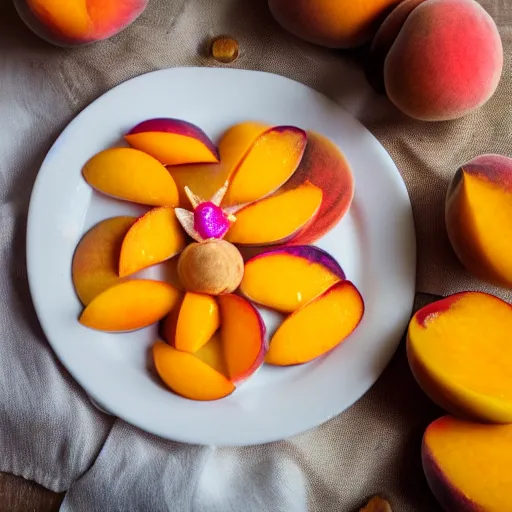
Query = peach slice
x=188 y=376
x=198 y=319
x=325 y=166
x=318 y=327
x=467 y=465
x=129 y=306
x=243 y=337
x=173 y=141
x=460 y=352
x=156 y=236
x=255 y=158
x=287 y=278
x=95 y=266
x=132 y=175
x=277 y=218
x=479 y=218
x=271 y=161
x=212 y=354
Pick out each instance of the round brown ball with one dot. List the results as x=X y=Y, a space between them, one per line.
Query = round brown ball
x=213 y=267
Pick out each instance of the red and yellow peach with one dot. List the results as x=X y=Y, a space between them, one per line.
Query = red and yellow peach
x=479 y=217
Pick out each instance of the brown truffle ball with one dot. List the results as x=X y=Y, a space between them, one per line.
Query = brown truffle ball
x=213 y=267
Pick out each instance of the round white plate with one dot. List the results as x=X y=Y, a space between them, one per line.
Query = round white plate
x=374 y=243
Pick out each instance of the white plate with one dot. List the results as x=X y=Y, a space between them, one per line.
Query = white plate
x=374 y=243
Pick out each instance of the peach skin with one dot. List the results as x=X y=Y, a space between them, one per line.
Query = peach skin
x=479 y=218
x=256 y=160
x=77 y=22
x=173 y=141
x=131 y=175
x=243 y=337
x=188 y=376
x=460 y=352
x=339 y=24
x=324 y=166
x=277 y=218
x=318 y=327
x=198 y=319
x=467 y=465
x=95 y=266
x=287 y=278
x=156 y=237
x=437 y=69
x=129 y=306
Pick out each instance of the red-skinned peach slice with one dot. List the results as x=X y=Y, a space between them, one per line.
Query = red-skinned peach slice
x=271 y=161
x=131 y=175
x=467 y=465
x=95 y=265
x=325 y=166
x=198 y=319
x=173 y=142
x=129 y=306
x=188 y=376
x=243 y=337
x=318 y=327
x=479 y=217
x=277 y=218
x=255 y=158
x=156 y=236
x=81 y=21
x=460 y=352
x=287 y=278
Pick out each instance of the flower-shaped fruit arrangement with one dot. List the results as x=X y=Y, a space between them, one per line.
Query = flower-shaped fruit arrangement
x=263 y=186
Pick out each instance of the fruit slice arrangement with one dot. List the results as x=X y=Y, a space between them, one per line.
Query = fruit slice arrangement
x=275 y=189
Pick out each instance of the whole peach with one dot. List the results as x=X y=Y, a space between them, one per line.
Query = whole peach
x=479 y=217
x=445 y=62
x=334 y=24
x=76 y=22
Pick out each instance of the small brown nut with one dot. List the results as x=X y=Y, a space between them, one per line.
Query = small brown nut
x=377 y=504
x=225 y=49
x=213 y=267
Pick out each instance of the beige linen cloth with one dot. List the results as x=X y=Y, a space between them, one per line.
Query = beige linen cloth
x=50 y=432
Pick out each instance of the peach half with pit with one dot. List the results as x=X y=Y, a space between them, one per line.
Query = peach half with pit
x=210 y=370
x=467 y=465
x=460 y=352
x=272 y=186
x=479 y=217
x=76 y=22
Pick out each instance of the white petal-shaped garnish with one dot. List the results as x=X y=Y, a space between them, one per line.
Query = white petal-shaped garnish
x=186 y=219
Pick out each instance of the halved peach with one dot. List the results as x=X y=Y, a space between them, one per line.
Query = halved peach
x=95 y=266
x=318 y=327
x=467 y=465
x=188 y=376
x=287 y=278
x=156 y=236
x=255 y=158
x=198 y=319
x=277 y=218
x=131 y=175
x=243 y=337
x=460 y=352
x=173 y=141
x=130 y=305
x=326 y=167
